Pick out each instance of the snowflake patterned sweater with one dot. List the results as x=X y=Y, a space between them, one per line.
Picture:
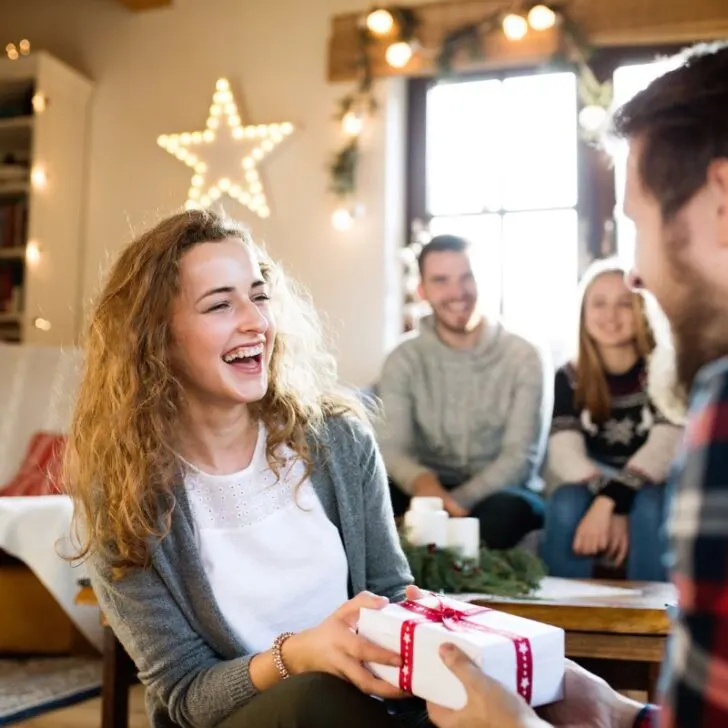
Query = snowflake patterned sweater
x=633 y=446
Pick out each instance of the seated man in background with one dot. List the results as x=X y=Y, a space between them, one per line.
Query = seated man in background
x=464 y=411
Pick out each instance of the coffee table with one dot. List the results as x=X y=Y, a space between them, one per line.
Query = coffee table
x=620 y=636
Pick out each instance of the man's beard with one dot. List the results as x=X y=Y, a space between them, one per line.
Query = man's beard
x=698 y=323
x=468 y=326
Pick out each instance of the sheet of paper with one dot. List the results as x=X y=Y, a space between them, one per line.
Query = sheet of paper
x=555 y=589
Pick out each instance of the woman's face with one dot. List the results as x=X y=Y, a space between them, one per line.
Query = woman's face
x=609 y=316
x=222 y=328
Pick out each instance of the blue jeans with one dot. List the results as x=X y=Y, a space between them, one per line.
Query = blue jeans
x=568 y=505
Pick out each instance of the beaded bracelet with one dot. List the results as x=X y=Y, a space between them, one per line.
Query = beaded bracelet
x=277 y=659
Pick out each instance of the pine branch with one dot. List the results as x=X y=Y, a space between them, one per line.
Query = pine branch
x=511 y=573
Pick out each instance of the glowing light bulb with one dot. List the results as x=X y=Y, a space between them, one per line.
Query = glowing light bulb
x=399 y=54
x=234 y=121
x=264 y=212
x=222 y=85
x=256 y=188
x=39 y=178
x=238 y=132
x=39 y=102
x=257 y=153
x=198 y=180
x=267 y=145
x=352 y=123
x=42 y=324
x=380 y=21
x=32 y=253
x=191 y=205
x=515 y=26
x=592 y=118
x=162 y=140
x=208 y=135
x=193 y=193
x=342 y=219
x=205 y=201
x=213 y=122
x=200 y=168
x=224 y=184
x=214 y=193
x=248 y=163
x=541 y=17
x=287 y=128
x=24 y=46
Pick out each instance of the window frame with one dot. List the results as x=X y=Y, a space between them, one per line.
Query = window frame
x=596 y=194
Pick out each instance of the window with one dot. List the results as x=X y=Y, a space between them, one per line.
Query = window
x=501 y=170
x=629 y=80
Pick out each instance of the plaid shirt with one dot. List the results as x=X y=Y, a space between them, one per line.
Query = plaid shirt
x=695 y=678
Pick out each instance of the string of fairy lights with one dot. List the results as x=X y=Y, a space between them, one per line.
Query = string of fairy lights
x=394 y=30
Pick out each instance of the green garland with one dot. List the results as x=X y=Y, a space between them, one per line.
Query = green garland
x=512 y=573
x=468 y=38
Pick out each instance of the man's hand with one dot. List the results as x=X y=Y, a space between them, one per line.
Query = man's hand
x=427 y=485
x=589 y=703
x=592 y=534
x=489 y=704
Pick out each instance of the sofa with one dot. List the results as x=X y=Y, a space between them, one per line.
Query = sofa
x=38 y=614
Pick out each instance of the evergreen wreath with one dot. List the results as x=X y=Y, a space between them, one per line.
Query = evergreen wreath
x=511 y=573
x=466 y=39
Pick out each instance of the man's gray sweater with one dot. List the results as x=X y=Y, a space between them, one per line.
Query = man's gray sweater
x=476 y=417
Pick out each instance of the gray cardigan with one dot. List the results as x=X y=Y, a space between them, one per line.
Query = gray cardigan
x=195 y=669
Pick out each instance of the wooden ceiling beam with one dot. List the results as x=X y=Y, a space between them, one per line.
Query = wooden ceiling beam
x=605 y=22
x=138 y=5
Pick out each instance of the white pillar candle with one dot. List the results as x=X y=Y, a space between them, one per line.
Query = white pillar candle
x=422 y=503
x=426 y=527
x=463 y=536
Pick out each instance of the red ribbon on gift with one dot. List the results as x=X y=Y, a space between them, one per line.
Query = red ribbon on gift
x=456 y=620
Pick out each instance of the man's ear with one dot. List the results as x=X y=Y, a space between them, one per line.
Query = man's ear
x=420 y=291
x=718 y=175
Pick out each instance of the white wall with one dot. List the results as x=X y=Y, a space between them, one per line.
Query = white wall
x=155 y=73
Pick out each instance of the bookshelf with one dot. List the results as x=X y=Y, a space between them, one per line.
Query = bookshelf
x=44 y=130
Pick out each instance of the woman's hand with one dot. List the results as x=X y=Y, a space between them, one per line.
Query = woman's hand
x=336 y=648
x=618 y=545
x=592 y=535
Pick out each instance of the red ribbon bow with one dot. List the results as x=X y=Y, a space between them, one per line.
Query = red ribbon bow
x=456 y=620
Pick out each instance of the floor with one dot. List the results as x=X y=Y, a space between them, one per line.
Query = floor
x=88 y=714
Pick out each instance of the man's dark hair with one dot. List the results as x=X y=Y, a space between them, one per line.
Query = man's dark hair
x=442 y=243
x=682 y=119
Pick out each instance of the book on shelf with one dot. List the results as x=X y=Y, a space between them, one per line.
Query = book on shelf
x=13 y=223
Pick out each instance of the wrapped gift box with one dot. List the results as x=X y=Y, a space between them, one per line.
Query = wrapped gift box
x=525 y=656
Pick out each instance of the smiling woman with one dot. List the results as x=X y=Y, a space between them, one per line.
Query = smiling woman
x=610 y=447
x=234 y=508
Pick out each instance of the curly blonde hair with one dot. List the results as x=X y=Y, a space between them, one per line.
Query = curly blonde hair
x=121 y=464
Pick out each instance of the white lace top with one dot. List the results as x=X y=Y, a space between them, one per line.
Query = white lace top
x=274 y=560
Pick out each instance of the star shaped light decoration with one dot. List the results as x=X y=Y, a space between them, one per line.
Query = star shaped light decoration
x=225 y=156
